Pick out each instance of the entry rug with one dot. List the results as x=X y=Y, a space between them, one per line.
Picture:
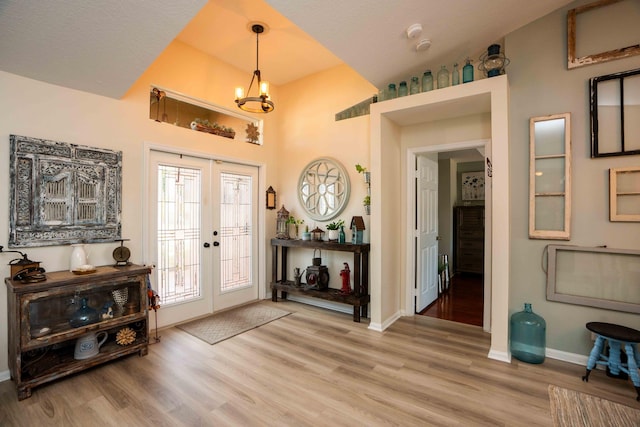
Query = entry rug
x=571 y=408
x=220 y=326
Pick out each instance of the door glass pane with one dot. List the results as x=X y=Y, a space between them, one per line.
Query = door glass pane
x=179 y=207
x=235 y=231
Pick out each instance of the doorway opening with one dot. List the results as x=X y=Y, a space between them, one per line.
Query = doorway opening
x=463 y=234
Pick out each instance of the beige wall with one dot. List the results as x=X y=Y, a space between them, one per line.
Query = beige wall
x=308 y=130
x=36 y=109
x=540 y=84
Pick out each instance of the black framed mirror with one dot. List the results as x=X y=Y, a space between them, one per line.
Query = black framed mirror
x=615 y=114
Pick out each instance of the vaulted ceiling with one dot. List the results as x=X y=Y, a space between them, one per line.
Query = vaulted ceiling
x=103 y=47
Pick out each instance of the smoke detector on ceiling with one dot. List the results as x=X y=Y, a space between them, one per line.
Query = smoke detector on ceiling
x=423 y=44
x=414 y=31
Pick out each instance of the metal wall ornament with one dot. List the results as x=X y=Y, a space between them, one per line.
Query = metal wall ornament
x=63 y=193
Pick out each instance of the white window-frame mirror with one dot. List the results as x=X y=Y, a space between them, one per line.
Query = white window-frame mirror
x=550 y=177
x=324 y=188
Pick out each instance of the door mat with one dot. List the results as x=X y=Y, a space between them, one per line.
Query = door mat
x=574 y=409
x=221 y=326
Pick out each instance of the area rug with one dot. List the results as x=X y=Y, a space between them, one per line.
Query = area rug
x=571 y=408
x=221 y=326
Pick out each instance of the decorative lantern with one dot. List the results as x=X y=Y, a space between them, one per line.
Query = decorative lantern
x=271 y=198
x=493 y=62
x=282 y=224
x=316 y=233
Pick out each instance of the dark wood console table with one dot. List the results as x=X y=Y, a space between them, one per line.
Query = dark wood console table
x=359 y=299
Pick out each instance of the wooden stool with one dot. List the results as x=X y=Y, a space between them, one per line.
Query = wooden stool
x=619 y=337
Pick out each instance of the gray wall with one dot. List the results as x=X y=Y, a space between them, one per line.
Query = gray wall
x=541 y=84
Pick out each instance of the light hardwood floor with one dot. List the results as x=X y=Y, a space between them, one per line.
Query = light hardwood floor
x=313 y=367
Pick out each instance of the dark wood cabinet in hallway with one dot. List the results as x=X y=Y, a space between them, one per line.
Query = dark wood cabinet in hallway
x=462 y=303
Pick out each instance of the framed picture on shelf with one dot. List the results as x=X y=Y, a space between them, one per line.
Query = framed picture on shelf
x=472 y=185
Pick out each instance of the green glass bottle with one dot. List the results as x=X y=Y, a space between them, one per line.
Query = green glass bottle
x=342 y=237
x=528 y=336
x=467 y=72
x=443 y=77
x=427 y=81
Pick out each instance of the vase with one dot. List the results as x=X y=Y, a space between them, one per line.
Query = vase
x=85 y=315
x=455 y=75
x=342 y=236
x=78 y=257
x=443 y=77
x=403 y=90
x=414 y=87
x=427 y=81
x=333 y=235
x=467 y=72
x=528 y=341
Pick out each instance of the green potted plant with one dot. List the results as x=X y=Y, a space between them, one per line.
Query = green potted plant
x=334 y=229
x=296 y=223
x=367 y=204
x=367 y=175
x=306 y=234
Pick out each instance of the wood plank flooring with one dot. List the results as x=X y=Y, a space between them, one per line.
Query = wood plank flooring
x=463 y=302
x=312 y=368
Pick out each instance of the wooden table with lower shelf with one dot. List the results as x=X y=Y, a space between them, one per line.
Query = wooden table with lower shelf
x=359 y=299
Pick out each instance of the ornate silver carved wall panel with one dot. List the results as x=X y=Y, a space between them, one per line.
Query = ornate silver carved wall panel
x=63 y=193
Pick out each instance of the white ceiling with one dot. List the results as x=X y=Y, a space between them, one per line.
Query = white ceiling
x=103 y=47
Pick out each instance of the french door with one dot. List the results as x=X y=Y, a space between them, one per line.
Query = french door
x=203 y=235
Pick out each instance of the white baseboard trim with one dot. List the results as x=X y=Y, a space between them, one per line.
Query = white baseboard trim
x=5 y=375
x=577 y=359
x=502 y=356
x=380 y=327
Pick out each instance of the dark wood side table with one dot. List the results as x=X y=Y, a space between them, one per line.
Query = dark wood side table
x=359 y=299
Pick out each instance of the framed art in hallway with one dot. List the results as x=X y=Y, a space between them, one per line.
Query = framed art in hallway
x=472 y=186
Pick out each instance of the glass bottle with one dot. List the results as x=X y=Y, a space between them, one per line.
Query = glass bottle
x=415 y=86
x=402 y=89
x=427 y=81
x=467 y=72
x=342 y=237
x=381 y=95
x=443 y=77
x=455 y=76
x=391 y=91
x=528 y=336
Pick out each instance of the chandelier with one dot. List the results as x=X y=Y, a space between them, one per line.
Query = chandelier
x=261 y=103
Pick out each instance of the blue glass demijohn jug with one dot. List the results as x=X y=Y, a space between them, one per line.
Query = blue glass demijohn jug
x=528 y=336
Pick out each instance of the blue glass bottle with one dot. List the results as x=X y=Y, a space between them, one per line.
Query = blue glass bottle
x=467 y=72
x=528 y=336
x=455 y=75
x=342 y=236
x=402 y=89
x=427 y=81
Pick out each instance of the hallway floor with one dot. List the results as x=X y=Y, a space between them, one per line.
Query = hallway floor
x=462 y=303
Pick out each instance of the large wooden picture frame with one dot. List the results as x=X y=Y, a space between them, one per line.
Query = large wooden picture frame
x=574 y=61
x=624 y=194
x=63 y=193
x=550 y=177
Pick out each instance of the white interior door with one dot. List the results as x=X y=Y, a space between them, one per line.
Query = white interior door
x=202 y=235
x=427 y=229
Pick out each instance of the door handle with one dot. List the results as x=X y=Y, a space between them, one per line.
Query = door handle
x=206 y=244
x=216 y=243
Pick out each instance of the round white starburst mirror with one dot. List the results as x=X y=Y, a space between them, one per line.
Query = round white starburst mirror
x=323 y=189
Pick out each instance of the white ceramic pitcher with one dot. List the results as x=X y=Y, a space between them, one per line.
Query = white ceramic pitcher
x=88 y=345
